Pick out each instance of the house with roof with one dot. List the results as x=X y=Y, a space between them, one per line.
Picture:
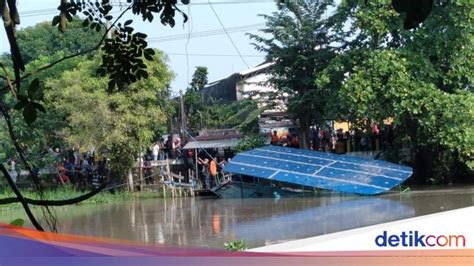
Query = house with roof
x=251 y=83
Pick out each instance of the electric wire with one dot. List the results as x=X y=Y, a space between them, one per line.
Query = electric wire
x=228 y=35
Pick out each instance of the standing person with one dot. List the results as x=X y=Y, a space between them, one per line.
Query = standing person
x=156 y=151
x=295 y=142
x=213 y=170
x=288 y=140
x=69 y=170
x=190 y=160
x=161 y=153
x=221 y=166
x=274 y=139
x=101 y=170
x=87 y=170
x=170 y=146
x=205 y=172
x=13 y=171
x=315 y=138
x=148 y=171
x=363 y=142
x=357 y=139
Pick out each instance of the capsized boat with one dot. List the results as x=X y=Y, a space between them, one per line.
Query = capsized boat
x=317 y=170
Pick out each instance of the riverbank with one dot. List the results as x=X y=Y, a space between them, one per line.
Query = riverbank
x=69 y=192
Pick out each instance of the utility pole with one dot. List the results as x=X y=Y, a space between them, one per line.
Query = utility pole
x=183 y=117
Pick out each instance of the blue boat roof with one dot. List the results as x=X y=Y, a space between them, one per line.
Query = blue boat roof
x=319 y=169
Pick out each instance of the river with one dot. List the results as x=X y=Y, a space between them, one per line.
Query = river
x=210 y=222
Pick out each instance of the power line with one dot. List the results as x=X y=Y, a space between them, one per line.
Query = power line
x=216 y=55
x=52 y=11
x=228 y=36
x=208 y=33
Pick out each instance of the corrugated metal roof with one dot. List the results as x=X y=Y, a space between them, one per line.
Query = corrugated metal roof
x=207 y=144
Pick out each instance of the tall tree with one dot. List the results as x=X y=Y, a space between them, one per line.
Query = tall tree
x=199 y=80
x=44 y=40
x=300 y=43
x=121 y=123
x=122 y=63
x=422 y=79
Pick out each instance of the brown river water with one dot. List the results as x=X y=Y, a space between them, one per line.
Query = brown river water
x=212 y=222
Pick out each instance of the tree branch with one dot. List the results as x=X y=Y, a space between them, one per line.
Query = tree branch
x=77 y=54
x=21 y=199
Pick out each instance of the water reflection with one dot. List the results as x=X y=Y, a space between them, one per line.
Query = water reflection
x=324 y=219
x=210 y=223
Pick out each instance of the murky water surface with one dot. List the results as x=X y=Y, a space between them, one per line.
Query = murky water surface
x=210 y=223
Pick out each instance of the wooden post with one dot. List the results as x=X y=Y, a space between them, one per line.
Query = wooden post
x=196 y=169
x=130 y=180
x=168 y=170
x=140 y=171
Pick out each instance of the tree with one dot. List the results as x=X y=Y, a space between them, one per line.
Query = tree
x=192 y=99
x=42 y=40
x=422 y=79
x=199 y=80
x=301 y=45
x=121 y=123
x=122 y=64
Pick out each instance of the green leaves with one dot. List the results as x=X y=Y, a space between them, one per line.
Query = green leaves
x=123 y=58
x=30 y=103
x=235 y=246
x=18 y=222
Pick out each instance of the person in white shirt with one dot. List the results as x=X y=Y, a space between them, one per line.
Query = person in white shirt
x=156 y=151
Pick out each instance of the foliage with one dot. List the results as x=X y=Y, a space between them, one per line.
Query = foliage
x=42 y=40
x=235 y=245
x=120 y=72
x=301 y=45
x=421 y=79
x=121 y=124
x=199 y=80
x=67 y=192
x=250 y=142
x=123 y=54
x=241 y=115
x=18 y=222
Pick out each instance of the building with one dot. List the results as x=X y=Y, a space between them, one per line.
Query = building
x=252 y=83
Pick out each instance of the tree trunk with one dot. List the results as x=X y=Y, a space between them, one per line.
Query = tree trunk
x=304 y=132
x=140 y=171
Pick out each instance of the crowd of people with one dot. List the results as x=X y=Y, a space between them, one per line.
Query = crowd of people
x=207 y=165
x=81 y=169
x=339 y=141
x=85 y=170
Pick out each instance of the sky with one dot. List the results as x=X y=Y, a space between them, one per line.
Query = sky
x=208 y=44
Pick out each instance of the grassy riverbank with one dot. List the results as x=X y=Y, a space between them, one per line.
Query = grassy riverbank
x=69 y=192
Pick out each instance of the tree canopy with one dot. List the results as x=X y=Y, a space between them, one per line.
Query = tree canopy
x=298 y=39
x=119 y=124
x=42 y=40
x=422 y=79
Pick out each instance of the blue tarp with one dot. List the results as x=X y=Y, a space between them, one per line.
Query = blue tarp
x=319 y=170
